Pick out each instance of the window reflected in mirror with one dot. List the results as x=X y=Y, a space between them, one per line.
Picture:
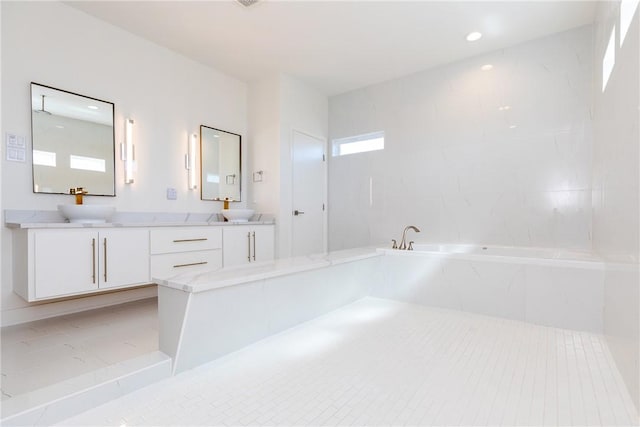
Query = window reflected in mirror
x=73 y=142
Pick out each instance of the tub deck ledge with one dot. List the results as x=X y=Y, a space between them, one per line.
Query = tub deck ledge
x=214 y=279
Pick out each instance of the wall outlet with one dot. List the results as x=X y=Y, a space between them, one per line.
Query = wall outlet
x=172 y=194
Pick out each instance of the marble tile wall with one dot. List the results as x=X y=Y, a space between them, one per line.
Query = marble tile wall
x=559 y=294
x=494 y=157
x=616 y=189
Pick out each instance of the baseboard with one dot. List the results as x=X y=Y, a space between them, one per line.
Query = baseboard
x=34 y=312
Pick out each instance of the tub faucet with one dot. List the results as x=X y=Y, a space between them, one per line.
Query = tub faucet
x=403 y=244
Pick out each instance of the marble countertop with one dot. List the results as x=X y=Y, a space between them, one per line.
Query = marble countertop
x=52 y=219
x=210 y=280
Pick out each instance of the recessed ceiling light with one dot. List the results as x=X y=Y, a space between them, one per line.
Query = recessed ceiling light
x=247 y=3
x=60 y=126
x=486 y=67
x=92 y=107
x=504 y=108
x=513 y=127
x=471 y=37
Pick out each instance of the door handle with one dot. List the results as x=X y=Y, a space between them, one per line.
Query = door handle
x=93 y=260
x=105 y=260
x=249 y=246
x=297 y=212
x=254 y=245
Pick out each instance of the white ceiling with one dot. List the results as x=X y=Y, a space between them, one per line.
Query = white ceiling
x=336 y=46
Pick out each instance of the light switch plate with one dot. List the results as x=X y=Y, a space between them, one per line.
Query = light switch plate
x=172 y=194
x=16 y=147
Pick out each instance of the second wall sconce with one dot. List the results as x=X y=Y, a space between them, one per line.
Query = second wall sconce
x=127 y=152
x=190 y=162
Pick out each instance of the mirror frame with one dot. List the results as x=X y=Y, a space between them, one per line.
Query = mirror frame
x=113 y=133
x=221 y=199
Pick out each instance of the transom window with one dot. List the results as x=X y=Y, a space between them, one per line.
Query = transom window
x=358 y=144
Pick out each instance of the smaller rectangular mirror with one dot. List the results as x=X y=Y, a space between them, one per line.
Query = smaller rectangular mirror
x=220 y=164
x=73 y=142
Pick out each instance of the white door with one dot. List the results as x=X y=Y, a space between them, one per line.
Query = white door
x=263 y=243
x=124 y=257
x=309 y=171
x=236 y=246
x=66 y=262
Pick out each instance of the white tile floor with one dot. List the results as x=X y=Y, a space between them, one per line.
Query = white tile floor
x=378 y=362
x=41 y=353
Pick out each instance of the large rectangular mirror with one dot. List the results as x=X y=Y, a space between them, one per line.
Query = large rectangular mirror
x=220 y=164
x=73 y=142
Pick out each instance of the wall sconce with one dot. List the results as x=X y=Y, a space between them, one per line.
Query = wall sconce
x=127 y=152
x=231 y=179
x=257 y=176
x=190 y=162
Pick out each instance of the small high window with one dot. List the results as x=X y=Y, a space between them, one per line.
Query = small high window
x=627 y=10
x=358 y=144
x=87 y=163
x=609 y=59
x=44 y=158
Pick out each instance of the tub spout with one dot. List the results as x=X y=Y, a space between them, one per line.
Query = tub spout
x=403 y=242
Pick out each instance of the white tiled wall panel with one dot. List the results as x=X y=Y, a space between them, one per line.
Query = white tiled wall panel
x=616 y=190
x=454 y=166
x=552 y=295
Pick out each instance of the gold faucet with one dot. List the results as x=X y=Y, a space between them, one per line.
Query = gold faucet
x=78 y=192
x=226 y=202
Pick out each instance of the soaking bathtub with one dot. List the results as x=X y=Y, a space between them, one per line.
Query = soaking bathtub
x=559 y=288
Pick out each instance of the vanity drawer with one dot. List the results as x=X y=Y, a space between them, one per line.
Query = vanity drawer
x=185 y=239
x=168 y=265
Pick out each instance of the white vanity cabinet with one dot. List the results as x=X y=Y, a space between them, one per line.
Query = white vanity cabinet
x=246 y=244
x=177 y=250
x=65 y=262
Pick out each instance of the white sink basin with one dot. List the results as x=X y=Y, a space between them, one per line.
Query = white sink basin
x=92 y=214
x=237 y=215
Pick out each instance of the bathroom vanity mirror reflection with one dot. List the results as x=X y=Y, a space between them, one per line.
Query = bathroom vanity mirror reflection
x=73 y=142
x=220 y=160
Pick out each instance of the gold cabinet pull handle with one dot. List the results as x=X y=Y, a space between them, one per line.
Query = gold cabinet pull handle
x=190 y=240
x=189 y=265
x=105 y=260
x=249 y=246
x=93 y=260
x=254 y=245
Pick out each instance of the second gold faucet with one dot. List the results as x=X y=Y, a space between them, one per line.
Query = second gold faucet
x=78 y=192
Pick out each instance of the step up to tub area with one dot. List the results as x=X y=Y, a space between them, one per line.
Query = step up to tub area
x=61 y=400
x=206 y=315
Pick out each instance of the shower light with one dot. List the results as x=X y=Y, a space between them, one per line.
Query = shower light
x=190 y=161
x=127 y=151
x=474 y=36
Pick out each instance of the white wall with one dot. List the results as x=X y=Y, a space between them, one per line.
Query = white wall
x=616 y=190
x=453 y=166
x=264 y=151
x=303 y=109
x=167 y=95
x=280 y=104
